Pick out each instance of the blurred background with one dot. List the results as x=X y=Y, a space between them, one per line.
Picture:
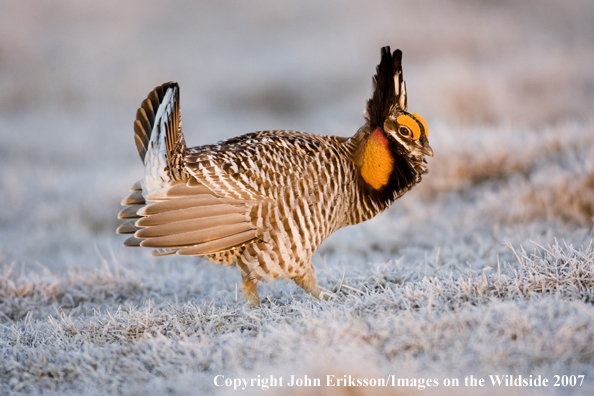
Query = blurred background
x=506 y=87
x=484 y=74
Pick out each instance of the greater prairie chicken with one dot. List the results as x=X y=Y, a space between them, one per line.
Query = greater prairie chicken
x=266 y=201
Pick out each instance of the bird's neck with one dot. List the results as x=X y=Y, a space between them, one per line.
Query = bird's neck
x=384 y=172
x=377 y=161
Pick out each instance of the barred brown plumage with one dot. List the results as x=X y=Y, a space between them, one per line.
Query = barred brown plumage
x=265 y=201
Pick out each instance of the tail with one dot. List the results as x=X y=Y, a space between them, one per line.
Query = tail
x=161 y=146
x=159 y=138
x=169 y=210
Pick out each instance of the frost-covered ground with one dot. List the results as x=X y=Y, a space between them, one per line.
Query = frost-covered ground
x=485 y=268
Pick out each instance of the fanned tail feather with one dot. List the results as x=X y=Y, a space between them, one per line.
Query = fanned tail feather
x=170 y=210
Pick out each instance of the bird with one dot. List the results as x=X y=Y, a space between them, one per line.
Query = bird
x=265 y=201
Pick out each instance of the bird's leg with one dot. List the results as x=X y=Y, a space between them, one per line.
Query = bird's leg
x=250 y=291
x=309 y=282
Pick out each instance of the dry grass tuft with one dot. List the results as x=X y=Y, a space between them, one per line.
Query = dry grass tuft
x=30 y=293
x=569 y=197
x=545 y=174
x=501 y=154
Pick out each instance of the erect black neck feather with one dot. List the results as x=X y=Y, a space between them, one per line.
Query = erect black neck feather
x=383 y=98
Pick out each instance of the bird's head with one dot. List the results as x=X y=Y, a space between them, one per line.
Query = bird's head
x=392 y=150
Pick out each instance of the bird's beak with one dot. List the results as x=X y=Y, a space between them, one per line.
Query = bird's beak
x=427 y=150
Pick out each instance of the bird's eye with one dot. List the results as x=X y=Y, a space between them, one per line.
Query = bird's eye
x=404 y=131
